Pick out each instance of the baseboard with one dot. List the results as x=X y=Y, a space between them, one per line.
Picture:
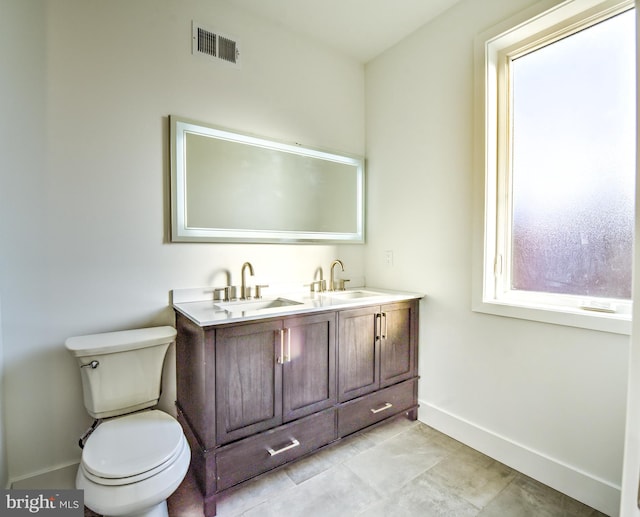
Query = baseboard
x=61 y=477
x=584 y=487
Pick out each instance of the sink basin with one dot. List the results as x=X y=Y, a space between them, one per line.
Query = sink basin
x=350 y=295
x=342 y=297
x=256 y=305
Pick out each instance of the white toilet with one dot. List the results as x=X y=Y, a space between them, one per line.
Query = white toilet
x=136 y=457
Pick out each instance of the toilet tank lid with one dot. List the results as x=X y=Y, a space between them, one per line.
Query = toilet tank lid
x=110 y=342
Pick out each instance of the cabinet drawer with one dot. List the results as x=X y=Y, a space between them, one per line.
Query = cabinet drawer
x=367 y=410
x=252 y=456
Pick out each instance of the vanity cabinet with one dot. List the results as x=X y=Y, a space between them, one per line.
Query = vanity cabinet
x=254 y=395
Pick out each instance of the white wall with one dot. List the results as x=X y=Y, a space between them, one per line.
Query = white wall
x=87 y=217
x=4 y=471
x=548 y=400
x=22 y=148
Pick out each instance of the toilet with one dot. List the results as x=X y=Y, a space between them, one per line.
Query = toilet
x=135 y=456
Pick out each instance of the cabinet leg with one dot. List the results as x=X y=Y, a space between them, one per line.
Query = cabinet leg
x=209 y=506
x=412 y=414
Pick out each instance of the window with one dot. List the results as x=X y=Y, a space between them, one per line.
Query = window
x=559 y=161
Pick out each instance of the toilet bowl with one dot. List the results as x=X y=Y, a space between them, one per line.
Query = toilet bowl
x=137 y=456
x=131 y=464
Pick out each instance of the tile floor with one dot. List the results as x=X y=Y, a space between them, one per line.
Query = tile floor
x=402 y=468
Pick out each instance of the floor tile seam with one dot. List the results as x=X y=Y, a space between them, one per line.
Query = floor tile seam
x=373 y=504
x=366 y=483
x=385 y=496
x=396 y=492
x=263 y=498
x=395 y=434
x=451 y=493
x=358 y=452
x=512 y=471
x=289 y=491
x=381 y=497
x=444 y=487
x=332 y=465
x=480 y=507
x=301 y=485
x=296 y=483
x=384 y=443
x=244 y=510
x=499 y=493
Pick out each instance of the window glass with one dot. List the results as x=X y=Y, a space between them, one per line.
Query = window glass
x=573 y=163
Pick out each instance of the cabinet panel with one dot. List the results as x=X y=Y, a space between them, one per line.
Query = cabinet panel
x=358 y=349
x=397 y=350
x=308 y=374
x=194 y=375
x=248 y=380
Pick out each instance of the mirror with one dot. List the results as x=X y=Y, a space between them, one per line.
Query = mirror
x=233 y=187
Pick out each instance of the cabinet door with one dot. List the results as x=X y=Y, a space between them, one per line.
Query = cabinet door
x=308 y=372
x=398 y=331
x=248 y=380
x=358 y=352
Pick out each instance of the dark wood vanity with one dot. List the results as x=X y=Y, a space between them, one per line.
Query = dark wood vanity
x=255 y=395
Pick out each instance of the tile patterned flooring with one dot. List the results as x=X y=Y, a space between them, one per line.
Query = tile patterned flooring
x=399 y=469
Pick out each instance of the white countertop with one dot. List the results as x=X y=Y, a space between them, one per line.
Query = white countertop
x=198 y=304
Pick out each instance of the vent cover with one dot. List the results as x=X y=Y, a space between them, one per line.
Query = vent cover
x=214 y=45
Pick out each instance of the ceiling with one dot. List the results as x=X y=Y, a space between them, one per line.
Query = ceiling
x=361 y=29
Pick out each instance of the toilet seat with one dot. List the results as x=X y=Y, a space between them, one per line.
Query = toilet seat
x=132 y=448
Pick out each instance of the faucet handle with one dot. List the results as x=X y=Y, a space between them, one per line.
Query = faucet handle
x=226 y=290
x=259 y=291
x=341 y=283
x=320 y=284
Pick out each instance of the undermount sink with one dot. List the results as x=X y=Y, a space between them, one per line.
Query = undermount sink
x=256 y=305
x=350 y=295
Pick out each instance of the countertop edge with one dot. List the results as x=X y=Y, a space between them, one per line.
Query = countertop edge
x=204 y=313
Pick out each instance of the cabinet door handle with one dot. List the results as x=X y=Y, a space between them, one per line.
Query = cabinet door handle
x=384 y=334
x=281 y=358
x=383 y=408
x=287 y=357
x=294 y=443
x=378 y=326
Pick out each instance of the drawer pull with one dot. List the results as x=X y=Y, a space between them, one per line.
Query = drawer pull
x=386 y=406
x=294 y=443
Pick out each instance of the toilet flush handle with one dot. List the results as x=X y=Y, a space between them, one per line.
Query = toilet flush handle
x=93 y=364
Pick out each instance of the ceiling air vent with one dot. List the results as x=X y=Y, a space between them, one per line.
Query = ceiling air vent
x=211 y=44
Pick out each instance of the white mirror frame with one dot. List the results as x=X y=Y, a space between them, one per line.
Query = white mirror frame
x=182 y=232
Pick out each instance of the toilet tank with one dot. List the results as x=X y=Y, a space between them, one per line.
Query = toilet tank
x=121 y=371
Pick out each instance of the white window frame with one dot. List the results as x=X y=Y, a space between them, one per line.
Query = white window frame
x=546 y=21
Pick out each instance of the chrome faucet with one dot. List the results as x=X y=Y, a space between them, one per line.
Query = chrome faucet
x=245 y=294
x=331 y=279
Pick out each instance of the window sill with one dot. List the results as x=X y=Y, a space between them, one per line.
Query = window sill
x=580 y=318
